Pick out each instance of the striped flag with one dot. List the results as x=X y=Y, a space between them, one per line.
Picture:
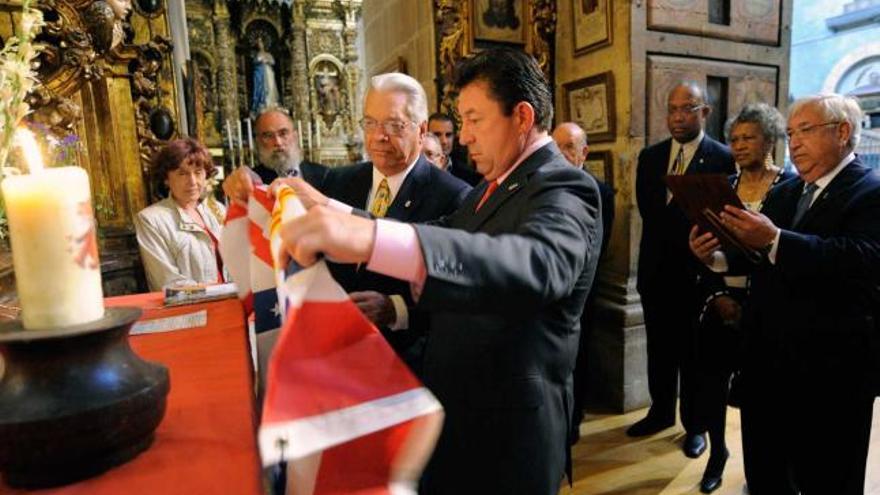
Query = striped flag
x=340 y=406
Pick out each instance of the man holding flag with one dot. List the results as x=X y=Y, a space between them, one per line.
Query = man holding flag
x=504 y=279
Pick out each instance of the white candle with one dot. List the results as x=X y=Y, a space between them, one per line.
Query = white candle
x=240 y=143
x=299 y=133
x=250 y=141
x=54 y=246
x=309 y=135
x=229 y=140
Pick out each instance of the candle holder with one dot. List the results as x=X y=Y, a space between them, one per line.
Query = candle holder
x=75 y=401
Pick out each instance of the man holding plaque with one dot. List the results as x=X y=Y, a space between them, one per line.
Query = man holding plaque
x=666 y=280
x=811 y=318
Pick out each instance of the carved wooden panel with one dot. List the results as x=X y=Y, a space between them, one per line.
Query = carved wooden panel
x=749 y=20
x=745 y=84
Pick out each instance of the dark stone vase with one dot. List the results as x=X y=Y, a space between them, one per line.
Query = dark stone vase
x=75 y=401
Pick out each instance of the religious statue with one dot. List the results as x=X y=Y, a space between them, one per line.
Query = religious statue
x=265 y=92
x=327 y=85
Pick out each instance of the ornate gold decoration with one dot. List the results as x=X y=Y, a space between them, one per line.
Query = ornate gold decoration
x=455 y=41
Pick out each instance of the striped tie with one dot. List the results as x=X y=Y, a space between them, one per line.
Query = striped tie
x=382 y=200
x=678 y=167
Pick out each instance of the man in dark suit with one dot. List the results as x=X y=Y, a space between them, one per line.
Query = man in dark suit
x=504 y=278
x=278 y=151
x=572 y=142
x=442 y=126
x=811 y=318
x=400 y=184
x=395 y=124
x=666 y=274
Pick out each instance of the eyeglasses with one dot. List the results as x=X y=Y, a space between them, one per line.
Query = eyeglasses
x=688 y=110
x=389 y=127
x=281 y=133
x=807 y=129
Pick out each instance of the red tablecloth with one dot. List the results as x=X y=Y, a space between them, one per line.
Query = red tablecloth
x=206 y=443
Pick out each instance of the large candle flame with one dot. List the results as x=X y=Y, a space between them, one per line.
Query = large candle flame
x=28 y=144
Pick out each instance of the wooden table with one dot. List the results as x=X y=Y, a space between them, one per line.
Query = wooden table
x=207 y=442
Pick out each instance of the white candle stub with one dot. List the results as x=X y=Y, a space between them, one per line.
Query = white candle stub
x=54 y=247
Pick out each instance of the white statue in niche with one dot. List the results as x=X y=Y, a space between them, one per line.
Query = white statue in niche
x=265 y=90
x=120 y=8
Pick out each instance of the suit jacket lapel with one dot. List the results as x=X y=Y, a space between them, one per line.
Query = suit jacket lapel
x=407 y=197
x=510 y=187
x=838 y=187
x=700 y=156
x=357 y=190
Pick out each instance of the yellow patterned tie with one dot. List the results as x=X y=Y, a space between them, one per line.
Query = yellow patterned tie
x=382 y=200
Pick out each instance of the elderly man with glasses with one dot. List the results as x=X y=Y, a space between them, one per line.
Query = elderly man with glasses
x=667 y=271
x=812 y=339
x=399 y=183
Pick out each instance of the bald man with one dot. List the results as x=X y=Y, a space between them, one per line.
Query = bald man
x=667 y=270
x=572 y=141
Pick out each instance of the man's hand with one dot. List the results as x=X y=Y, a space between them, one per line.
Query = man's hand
x=703 y=245
x=753 y=229
x=308 y=195
x=238 y=186
x=342 y=237
x=375 y=306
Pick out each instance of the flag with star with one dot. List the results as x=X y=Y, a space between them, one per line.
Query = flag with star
x=340 y=407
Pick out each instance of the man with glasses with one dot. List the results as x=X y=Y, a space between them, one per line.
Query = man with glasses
x=667 y=272
x=399 y=183
x=811 y=320
x=504 y=279
x=278 y=151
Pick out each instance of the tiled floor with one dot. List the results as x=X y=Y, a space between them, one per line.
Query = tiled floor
x=607 y=462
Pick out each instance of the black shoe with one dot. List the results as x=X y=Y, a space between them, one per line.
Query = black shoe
x=648 y=426
x=712 y=475
x=694 y=445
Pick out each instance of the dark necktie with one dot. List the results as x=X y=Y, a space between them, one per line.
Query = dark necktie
x=803 y=203
x=489 y=190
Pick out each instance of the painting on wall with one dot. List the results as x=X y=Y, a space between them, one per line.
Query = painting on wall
x=590 y=103
x=599 y=164
x=499 y=21
x=592 y=24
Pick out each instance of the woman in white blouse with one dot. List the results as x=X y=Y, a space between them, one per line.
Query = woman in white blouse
x=179 y=236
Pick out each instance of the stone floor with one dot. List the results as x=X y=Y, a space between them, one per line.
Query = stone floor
x=608 y=462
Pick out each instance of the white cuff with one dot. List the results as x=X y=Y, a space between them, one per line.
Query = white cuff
x=401 y=312
x=339 y=206
x=774 y=246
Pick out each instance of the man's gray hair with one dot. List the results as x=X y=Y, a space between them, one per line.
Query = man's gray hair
x=416 y=100
x=768 y=118
x=834 y=108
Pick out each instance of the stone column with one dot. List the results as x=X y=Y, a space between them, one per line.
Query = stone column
x=226 y=79
x=299 y=62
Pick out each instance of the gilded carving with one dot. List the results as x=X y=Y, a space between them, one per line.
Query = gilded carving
x=455 y=41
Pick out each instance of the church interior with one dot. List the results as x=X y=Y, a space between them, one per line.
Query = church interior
x=119 y=79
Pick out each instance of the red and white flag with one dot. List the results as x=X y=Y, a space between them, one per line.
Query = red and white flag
x=340 y=406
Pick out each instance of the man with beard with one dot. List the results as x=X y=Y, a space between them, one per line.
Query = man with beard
x=278 y=150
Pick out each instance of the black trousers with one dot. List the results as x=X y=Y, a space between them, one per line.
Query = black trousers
x=803 y=434
x=669 y=328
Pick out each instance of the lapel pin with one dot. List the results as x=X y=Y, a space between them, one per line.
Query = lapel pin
x=408 y=202
x=513 y=186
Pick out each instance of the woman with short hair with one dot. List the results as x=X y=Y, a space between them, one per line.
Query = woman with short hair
x=179 y=236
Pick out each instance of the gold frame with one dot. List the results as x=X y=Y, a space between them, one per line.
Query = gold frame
x=587 y=28
x=609 y=129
